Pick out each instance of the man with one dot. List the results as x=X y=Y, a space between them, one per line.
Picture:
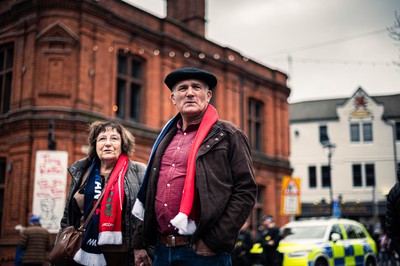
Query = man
x=393 y=215
x=35 y=241
x=270 y=238
x=199 y=186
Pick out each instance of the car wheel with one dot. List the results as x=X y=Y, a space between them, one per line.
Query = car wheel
x=370 y=262
x=321 y=262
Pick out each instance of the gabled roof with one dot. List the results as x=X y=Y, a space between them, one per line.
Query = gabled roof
x=326 y=109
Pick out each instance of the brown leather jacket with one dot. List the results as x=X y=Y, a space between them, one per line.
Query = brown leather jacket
x=225 y=188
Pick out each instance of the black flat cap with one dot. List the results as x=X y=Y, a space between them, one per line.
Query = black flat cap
x=190 y=73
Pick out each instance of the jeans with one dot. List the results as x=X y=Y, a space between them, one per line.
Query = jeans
x=184 y=256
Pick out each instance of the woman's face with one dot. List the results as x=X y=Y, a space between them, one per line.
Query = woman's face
x=108 y=145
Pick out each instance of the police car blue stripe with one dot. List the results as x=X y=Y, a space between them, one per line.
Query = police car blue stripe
x=349 y=251
x=339 y=261
x=328 y=251
x=359 y=260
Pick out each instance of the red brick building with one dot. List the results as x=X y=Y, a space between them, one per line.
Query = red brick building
x=66 y=63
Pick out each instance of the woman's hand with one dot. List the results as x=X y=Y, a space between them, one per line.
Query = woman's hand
x=201 y=249
x=141 y=258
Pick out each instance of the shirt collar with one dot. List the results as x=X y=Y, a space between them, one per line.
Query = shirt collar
x=190 y=128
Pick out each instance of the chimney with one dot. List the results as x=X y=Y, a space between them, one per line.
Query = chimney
x=189 y=12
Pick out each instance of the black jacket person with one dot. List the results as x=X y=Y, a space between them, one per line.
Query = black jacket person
x=270 y=238
x=393 y=214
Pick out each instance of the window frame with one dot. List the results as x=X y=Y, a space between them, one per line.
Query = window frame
x=358 y=177
x=312 y=176
x=323 y=133
x=7 y=54
x=367 y=132
x=326 y=181
x=370 y=180
x=255 y=123
x=129 y=86
x=361 y=132
x=355 y=132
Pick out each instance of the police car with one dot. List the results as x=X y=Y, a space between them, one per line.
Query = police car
x=327 y=242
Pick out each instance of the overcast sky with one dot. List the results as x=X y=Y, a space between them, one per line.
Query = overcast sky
x=336 y=46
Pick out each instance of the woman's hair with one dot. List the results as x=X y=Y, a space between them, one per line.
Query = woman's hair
x=95 y=128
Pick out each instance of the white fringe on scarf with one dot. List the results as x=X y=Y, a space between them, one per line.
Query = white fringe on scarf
x=90 y=259
x=110 y=238
x=184 y=224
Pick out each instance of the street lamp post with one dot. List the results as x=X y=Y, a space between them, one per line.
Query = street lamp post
x=330 y=147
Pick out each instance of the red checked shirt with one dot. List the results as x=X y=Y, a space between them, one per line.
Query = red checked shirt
x=172 y=178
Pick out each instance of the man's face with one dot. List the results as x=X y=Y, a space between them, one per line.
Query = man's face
x=191 y=97
x=268 y=223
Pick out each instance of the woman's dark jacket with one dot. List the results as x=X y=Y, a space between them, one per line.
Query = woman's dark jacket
x=393 y=214
x=225 y=188
x=132 y=182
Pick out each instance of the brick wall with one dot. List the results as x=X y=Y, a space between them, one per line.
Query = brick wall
x=65 y=71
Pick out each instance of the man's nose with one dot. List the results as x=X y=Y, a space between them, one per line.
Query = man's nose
x=190 y=91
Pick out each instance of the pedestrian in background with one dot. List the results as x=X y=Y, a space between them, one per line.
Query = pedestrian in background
x=35 y=242
x=19 y=252
x=199 y=187
x=270 y=238
x=108 y=169
x=393 y=215
x=241 y=253
x=383 y=249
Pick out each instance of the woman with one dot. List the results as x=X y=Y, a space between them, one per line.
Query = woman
x=107 y=169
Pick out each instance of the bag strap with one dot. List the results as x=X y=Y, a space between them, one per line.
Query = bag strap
x=82 y=228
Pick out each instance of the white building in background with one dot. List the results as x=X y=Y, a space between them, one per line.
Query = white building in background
x=364 y=135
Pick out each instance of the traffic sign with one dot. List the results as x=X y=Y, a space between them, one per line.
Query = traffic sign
x=290 y=197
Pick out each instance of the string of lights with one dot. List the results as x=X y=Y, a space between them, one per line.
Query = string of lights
x=335 y=61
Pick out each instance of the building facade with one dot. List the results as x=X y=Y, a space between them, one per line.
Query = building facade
x=66 y=63
x=346 y=152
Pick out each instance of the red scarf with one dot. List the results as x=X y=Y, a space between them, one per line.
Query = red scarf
x=106 y=223
x=181 y=221
x=110 y=225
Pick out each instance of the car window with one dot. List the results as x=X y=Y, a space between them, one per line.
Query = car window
x=351 y=233
x=359 y=231
x=305 y=232
x=335 y=229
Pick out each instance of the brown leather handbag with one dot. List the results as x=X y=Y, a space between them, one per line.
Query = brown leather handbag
x=70 y=239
